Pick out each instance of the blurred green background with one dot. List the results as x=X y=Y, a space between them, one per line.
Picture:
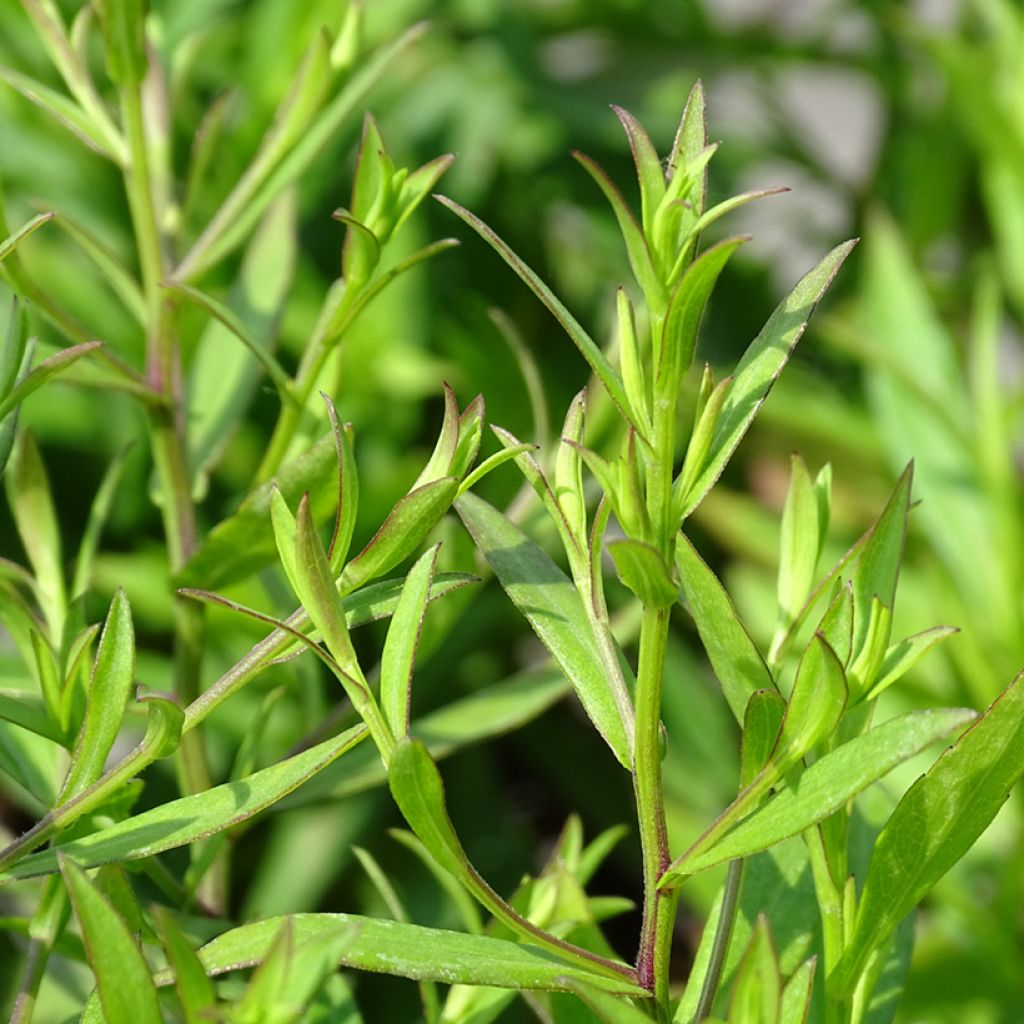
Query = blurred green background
x=900 y=123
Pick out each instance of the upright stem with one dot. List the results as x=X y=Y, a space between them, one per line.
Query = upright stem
x=167 y=433
x=723 y=936
x=655 y=936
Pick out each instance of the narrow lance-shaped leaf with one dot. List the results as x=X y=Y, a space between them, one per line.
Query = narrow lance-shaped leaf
x=258 y=188
x=879 y=563
x=223 y=313
x=761 y=365
x=800 y=542
x=440 y=462
x=761 y=724
x=938 y=820
x=675 y=345
x=405 y=528
x=823 y=788
x=903 y=656
x=632 y=234
x=410 y=951
x=126 y=989
x=40 y=374
x=650 y=175
x=757 y=991
x=110 y=687
x=815 y=706
x=736 y=661
x=65 y=111
x=796 y=996
x=399 y=655
x=588 y=347
x=643 y=570
x=9 y=244
x=243 y=543
x=188 y=819
x=163 y=734
x=196 y=994
x=418 y=790
x=348 y=489
x=99 y=510
x=553 y=607
x=28 y=492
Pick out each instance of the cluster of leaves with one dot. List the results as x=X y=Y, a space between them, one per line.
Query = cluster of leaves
x=804 y=703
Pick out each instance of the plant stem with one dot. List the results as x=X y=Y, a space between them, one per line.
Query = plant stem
x=652 y=961
x=723 y=936
x=44 y=928
x=167 y=432
x=830 y=906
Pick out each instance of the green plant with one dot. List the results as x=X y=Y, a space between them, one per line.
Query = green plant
x=804 y=707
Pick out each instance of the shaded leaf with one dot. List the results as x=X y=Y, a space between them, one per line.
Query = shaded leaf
x=938 y=820
x=126 y=989
x=824 y=787
x=410 y=951
x=542 y=592
x=190 y=818
x=736 y=661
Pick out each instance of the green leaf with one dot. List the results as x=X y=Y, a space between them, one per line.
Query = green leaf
x=816 y=704
x=65 y=111
x=110 y=688
x=29 y=712
x=273 y=171
x=901 y=657
x=800 y=544
x=761 y=365
x=796 y=996
x=126 y=989
x=709 y=408
x=543 y=593
x=837 y=625
x=762 y=721
x=48 y=368
x=675 y=345
x=691 y=138
x=404 y=530
x=124 y=35
x=757 y=991
x=938 y=820
x=824 y=787
x=316 y=589
x=99 y=510
x=568 y=489
x=643 y=570
x=443 y=456
x=409 y=951
x=736 y=661
x=121 y=280
x=649 y=173
x=399 y=655
x=191 y=818
x=590 y=350
x=879 y=563
x=28 y=492
x=492 y=462
x=632 y=234
x=608 y=1008
x=348 y=489
x=243 y=543
x=196 y=994
x=9 y=244
x=418 y=791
